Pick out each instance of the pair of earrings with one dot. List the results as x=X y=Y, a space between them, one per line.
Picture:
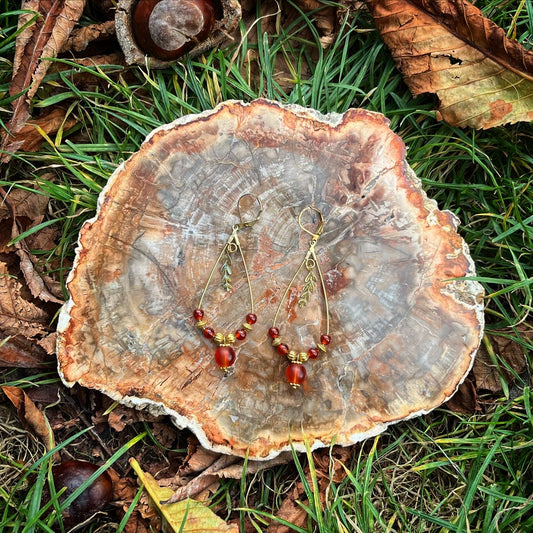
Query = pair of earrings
x=225 y=355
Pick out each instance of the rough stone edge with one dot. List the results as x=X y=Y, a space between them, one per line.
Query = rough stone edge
x=158 y=408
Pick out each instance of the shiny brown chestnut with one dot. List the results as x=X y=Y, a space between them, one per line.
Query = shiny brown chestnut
x=72 y=474
x=167 y=29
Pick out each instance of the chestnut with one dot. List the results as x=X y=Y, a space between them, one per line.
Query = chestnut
x=72 y=474
x=167 y=29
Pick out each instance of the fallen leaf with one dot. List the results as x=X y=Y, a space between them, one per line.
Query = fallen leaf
x=18 y=314
x=465 y=400
x=490 y=372
x=202 y=469
x=32 y=419
x=25 y=209
x=330 y=467
x=448 y=48
x=49 y=23
x=17 y=351
x=80 y=38
x=30 y=137
x=185 y=516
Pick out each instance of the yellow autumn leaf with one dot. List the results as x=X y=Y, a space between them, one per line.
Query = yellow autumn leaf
x=187 y=516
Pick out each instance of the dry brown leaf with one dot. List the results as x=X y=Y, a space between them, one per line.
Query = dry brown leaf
x=30 y=137
x=202 y=469
x=448 y=48
x=25 y=332
x=52 y=22
x=17 y=351
x=31 y=417
x=330 y=466
x=26 y=210
x=18 y=314
x=80 y=38
x=488 y=372
x=465 y=400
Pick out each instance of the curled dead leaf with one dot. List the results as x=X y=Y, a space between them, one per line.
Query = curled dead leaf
x=48 y=25
x=499 y=359
x=465 y=400
x=31 y=136
x=81 y=38
x=31 y=417
x=448 y=48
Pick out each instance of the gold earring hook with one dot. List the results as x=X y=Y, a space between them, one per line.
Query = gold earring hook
x=248 y=223
x=321 y=223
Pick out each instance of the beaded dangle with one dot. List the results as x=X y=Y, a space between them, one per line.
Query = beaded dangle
x=225 y=353
x=296 y=372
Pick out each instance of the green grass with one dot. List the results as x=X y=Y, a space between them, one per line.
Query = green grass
x=441 y=472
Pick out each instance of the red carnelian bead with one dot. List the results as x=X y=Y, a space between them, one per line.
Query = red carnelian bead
x=240 y=334
x=325 y=339
x=273 y=333
x=251 y=318
x=295 y=374
x=208 y=333
x=312 y=353
x=198 y=314
x=283 y=349
x=225 y=356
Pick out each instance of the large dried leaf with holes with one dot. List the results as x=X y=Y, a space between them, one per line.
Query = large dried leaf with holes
x=448 y=48
x=48 y=26
x=405 y=325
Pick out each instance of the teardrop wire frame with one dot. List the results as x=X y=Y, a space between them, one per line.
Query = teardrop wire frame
x=310 y=255
x=233 y=239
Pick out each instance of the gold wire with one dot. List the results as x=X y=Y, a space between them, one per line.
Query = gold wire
x=234 y=239
x=310 y=254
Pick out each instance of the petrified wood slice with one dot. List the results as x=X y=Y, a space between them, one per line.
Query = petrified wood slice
x=404 y=331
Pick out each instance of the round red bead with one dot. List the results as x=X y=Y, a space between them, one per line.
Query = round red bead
x=295 y=373
x=325 y=339
x=198 y=314
x=273 y=333
x=282 y=349
x=225 y=356
x=312 y=353
x=240 y=334
x=251 y=318
x=208 y=333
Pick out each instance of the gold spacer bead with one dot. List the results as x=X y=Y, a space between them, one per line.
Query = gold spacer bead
x=302 y=357
x=219 y=338
x=276 y=342
x=321 y=347
x=201 y=324
x=230 y=338
x=292 y=356
x=295 y=385
x=247 y=326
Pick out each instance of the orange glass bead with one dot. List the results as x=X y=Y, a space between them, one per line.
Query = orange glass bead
x=312 y=353
x=325 y=339
x=283 y=349
x=240 y=334
x=295 y=374
x=208 y=333
x=198 y=314
x=251 y=318
x=273 y=333
x=225 y=356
